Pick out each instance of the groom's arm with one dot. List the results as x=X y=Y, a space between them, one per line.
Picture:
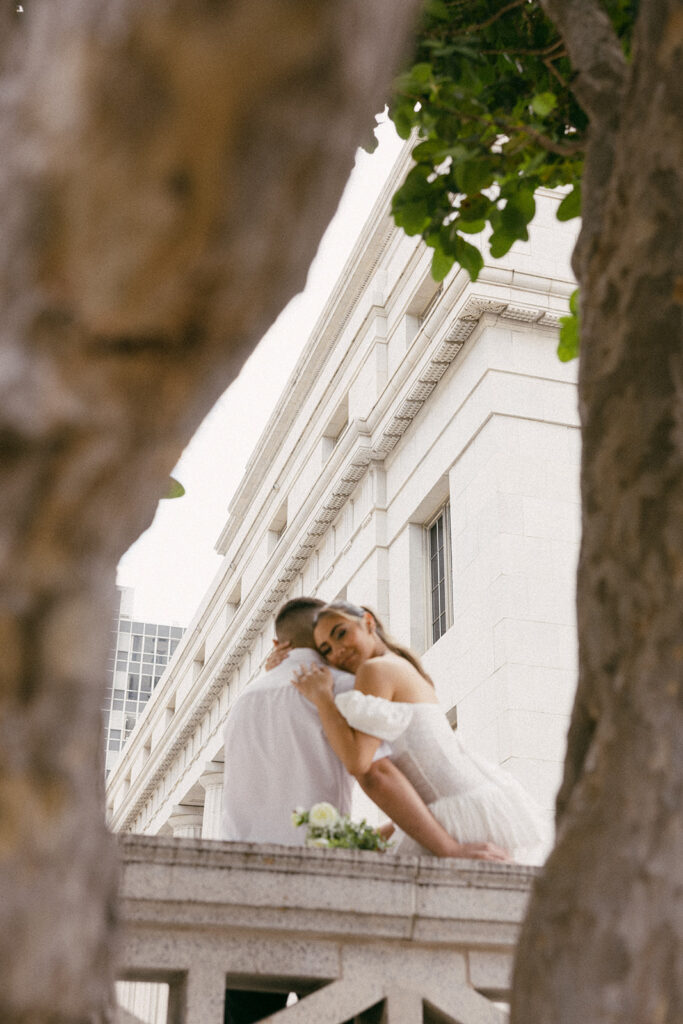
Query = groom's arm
x=387 y=786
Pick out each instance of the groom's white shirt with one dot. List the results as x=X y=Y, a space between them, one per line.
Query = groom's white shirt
x=277 y=757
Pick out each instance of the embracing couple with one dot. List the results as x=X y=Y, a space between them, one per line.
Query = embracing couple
x=345 y=703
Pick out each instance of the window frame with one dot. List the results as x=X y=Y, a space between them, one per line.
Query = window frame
x=443 y=512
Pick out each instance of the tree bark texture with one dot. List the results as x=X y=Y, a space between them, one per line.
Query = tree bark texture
x=602 y=940
x=167 y=171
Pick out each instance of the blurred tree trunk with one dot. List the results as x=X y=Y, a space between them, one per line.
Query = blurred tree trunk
x=168 y=169
x=602 y=940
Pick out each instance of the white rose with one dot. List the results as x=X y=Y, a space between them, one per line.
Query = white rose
x=323 y=815
x=320 y=841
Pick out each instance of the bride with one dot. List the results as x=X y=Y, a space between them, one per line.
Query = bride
x=485 y=809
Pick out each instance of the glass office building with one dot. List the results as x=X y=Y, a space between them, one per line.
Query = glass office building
x=139 y=654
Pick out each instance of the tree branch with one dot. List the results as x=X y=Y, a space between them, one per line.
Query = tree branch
x=505 y=127
x=495 y=17
x=594 y=50
x=544 y=52
x=599 y=86
x=553 y=71
x=550 y=146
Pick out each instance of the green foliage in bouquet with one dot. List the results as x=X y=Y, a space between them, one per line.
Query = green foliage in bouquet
x=328 y=828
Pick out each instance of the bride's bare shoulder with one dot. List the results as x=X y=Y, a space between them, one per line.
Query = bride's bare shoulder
x=377 y=676
x=387 y=675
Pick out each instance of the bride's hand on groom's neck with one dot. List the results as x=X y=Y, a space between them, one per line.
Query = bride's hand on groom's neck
x=277 y=655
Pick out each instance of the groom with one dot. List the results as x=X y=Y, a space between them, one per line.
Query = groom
x=277 y=758
x=276 y=754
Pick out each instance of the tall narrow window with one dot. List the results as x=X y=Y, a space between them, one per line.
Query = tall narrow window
x=440 y=573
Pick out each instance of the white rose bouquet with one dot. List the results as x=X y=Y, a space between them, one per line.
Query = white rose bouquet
x=327 y=827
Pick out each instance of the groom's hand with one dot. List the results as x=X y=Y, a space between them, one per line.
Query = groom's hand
x=387 y=829
x=277 y=655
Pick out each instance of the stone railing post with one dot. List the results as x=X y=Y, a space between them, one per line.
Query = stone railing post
x=212 y=783
x=402 y=1007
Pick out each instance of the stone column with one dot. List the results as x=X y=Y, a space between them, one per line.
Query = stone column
x=186 y=820
x=212 y=782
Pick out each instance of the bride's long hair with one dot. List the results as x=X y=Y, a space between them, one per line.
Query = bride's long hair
x=354 y=613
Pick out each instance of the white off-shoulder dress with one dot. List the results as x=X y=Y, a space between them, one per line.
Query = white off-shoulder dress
x=473 y=799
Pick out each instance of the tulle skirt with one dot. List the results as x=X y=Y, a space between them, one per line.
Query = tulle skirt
x=499 y=812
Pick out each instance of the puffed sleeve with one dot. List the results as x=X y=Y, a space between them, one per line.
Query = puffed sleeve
x=375 y=716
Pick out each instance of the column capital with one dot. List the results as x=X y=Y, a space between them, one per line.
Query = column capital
x=186 y=820
x=212 y=775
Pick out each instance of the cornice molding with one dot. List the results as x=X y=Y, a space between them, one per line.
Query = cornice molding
x=353 y=282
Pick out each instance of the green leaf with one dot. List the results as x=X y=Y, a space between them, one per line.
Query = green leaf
x=458 y=152
x=441 y=264
x=501 y=242
x=510 y=223
x=427 y=150
x=470 y=227
x=437 y=9
x=571 y=204
x=416 y=184
x=568 y=347
x=421 y=73
x=543 y=102
x=410 y=205
x=175 y=489
x=472 y=176
x=518 y=211
x=474 y=207
x=469 y=257
x=412 y=217
x=404 y=120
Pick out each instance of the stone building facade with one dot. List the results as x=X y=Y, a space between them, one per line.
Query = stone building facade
x=423 y=460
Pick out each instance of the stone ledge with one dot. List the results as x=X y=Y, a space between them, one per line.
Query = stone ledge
x=200 y=914
x=207 y=884
x=338 y=863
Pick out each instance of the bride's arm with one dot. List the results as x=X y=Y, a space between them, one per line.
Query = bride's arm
x=353 y=748
x=382 y=781
x=387 y=786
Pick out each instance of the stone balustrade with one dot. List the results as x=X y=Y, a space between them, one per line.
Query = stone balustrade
x=359 y=936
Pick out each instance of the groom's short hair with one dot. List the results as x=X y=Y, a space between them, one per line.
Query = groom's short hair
x=294 y=621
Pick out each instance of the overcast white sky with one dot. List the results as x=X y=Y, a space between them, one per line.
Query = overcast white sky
x=173 y=562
